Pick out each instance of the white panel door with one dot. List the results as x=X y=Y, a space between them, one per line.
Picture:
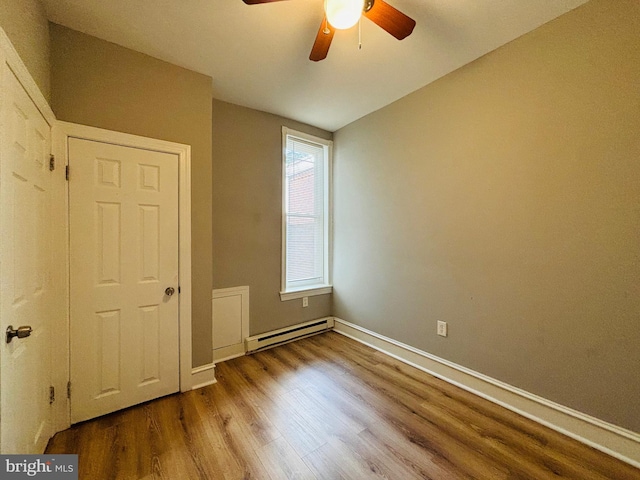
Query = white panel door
x=123 y=224
x=25 y=270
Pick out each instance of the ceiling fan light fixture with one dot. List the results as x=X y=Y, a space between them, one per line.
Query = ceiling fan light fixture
x=343 y=14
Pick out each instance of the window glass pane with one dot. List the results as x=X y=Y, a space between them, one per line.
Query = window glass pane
x=304 y=249
x=304 y=212
x=302 y=178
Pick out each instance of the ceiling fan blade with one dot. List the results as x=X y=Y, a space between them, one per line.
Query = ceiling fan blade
x=255 y=2
x=323 y=41
x=390 y=19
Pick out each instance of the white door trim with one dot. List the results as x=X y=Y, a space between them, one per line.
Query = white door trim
x=62 y=131
x=22 y=73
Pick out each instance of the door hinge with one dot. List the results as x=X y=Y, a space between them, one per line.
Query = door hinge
x=52 y=394
x=68 y=389
x=52 y=163
x=66 y=172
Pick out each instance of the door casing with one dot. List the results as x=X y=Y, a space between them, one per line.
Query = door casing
x=61 y=133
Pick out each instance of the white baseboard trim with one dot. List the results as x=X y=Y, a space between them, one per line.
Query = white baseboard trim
x=203 y=375
x=608 y=438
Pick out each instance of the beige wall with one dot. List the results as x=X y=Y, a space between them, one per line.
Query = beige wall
x=97 y=83
x=25 y=23
x=247 y=213
x=504 y=199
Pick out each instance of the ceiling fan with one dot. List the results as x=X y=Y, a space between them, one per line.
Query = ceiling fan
x=343 y=14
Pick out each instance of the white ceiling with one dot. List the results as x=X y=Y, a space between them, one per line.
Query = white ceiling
x=258 y=55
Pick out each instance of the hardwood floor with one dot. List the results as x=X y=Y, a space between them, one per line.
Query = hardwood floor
x=326 y=407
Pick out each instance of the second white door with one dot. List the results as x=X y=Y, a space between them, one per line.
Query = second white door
x=123 y=228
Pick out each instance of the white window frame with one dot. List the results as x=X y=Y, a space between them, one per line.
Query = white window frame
x=325 y=286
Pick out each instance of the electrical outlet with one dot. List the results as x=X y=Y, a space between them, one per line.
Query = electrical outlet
x=305 y=302
x=442 y=328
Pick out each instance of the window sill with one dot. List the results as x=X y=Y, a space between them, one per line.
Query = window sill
x=306 y=292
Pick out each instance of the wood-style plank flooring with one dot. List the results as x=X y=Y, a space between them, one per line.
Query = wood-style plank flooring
x=326 y=407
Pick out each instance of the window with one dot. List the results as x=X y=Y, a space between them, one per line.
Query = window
x=306 y=172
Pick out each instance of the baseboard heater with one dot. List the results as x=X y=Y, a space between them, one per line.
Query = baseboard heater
x=288 y=334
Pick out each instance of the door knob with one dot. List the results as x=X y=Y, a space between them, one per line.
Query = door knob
x=21 y=332
x=169 y=291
